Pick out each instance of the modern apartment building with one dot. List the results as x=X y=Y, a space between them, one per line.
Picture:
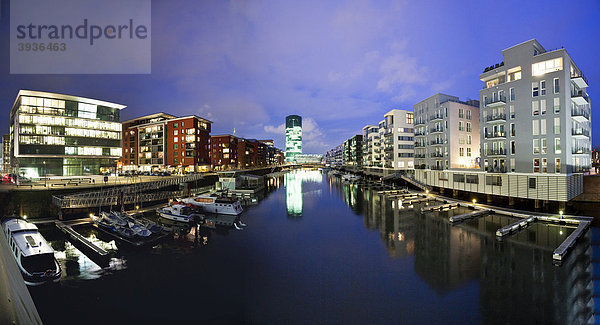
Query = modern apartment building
x=293 y=137
x=397 y=143
x=165 y=142
x=535 y=113
x=446 y=133
x=231 y=152
x=371 y=146
x=5 y=161
x=353 y=147
x=64 y=135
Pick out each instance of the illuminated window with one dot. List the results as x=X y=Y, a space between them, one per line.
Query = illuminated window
x=543 y=67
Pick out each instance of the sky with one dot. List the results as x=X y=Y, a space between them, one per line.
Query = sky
x=341 y=65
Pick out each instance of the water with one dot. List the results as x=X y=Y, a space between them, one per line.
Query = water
x=316 y=250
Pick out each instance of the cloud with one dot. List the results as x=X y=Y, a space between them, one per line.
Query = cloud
x=280 y=129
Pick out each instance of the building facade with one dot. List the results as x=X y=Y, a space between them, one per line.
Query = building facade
x=5 y=159
x=353 y=155
x=293 y=137
x=371 y=146
x=162 y=141
x=535 y=113
x=397 y=142
x=230 y=152
x=63 y=135
x=447 y=133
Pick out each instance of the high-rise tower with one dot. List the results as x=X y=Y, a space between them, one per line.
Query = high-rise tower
x=293 y=137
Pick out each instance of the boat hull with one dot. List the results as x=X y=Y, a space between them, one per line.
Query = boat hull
x=170 y=216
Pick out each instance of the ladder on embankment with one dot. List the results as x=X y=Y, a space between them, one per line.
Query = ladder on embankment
x=67 y=228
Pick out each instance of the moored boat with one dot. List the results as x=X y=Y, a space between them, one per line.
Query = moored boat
x=34 y=256
x=178 y=212
x=216 y=204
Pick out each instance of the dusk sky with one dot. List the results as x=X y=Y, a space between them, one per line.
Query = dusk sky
x=338 y=64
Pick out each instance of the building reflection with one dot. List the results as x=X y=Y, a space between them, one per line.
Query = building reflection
x=293 y=188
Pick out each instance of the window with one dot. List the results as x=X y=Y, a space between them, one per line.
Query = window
x=535 y=108
x=512 y=165
x=543 y=107
x=459 y=178
x=557 y=149
x=175 y=160
x=174 y=125
x=556 y=86
x=175 y=153
x=461 y=113
x=512 y=129
x=468 y=126
x=461 y=152
x=175 y=146
x=511 y=93
x=469 y=139
x=556 y=104
x=468 y=152
x=175 y=139
x=472 y=179
x=485 y=101
x=532 y=183
x=543 y=127
x=557 y=165
x=512 y=111
x=175 y=132
x=536 y=168
x=536 y=127
x=544 y=146
x=514 y=75
x=513 y=148
x=544 y=165
x=493 y=180
x=461 y=125
x=409 y=118
x=535 y=89
x=461 y=141
x=536 y=146
x=543 y=67
x=557 y=125
x=468 y=114
x=543 y=87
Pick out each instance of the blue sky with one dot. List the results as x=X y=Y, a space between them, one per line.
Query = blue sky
x=339 y=64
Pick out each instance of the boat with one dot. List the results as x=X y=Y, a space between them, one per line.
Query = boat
x=35 y=257
x=178 y=212
x=216 y=204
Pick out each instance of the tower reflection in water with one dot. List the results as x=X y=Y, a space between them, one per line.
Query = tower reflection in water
x=517 y=281
x=293 y=188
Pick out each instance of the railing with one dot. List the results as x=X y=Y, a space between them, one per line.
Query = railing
x=418 y=155
x=583 y=132
x=580 y=112
x=436 y=168
x=436 y=117
x=437 y=141
x=580 y=151
x=496 y=169
x=580 y=75
x=437 y=155
x=437 y=129
x=419 y=123
x=422 y=166
x=497 y=134
x=419 y=133
x=492 y=67
x=580 y=94
x=499 y=99
x=419 y=145
x=495 y=152
x=496 y=117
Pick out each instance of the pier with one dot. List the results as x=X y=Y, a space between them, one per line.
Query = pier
x=441 y=207
x=68 y=229
x=470 y=215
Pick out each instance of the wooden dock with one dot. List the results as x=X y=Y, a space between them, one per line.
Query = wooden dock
x=563 y=248
x=441 y=207
x=515 y=227
x=68 y=229
x=470 y=215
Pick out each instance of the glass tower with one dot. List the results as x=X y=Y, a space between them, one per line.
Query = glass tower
x=293 y=137
x=55 y=134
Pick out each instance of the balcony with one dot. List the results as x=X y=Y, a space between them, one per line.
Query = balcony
x=419 y=123
x=580 y=98
x=580 y=133
x=490 y=169
x=495 y=152
x=437 y=142
x=422 y=166
x=495 y=102
x=437 y=155
x=436 y=167
x=495 y=135
x=580 y=151
x=419 y=145
x=420 y=134
x=579 y=80
x=420 y=156
x=436 y=117
x=436 y=130
x=497 y=118
x=580 y=114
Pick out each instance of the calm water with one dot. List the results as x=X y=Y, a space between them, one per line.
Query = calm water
x=316 y=250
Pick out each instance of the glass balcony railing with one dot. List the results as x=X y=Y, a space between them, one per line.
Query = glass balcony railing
x=580 y=132
x=496 y=118
x=437 y=142
x=495 y=101
x=437 y=155
x=498 y=134
x=436 y=129
x=496 y=152
x=581 y=151
x=497 y=169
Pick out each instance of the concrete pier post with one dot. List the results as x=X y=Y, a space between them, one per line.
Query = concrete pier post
x=488 y=198
x=454 y=193
x=538 y=204
x=511 y=201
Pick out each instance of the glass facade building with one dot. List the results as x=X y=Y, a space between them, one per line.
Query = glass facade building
x=62 y=135
x=293 y=137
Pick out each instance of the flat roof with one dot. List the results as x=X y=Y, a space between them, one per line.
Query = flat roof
x=35 y=93
x=149 y=116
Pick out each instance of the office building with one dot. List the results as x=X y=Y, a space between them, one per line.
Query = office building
x=293 y=137
x=56 y=134
x=162 y=141
x=447 y=133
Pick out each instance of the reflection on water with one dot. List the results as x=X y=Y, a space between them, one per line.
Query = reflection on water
x=74 y=263
x=293 y=189
x=518 y=282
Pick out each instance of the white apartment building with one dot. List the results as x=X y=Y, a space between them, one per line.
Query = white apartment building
x=396 y=133
x=371 y=146
x=446 y=133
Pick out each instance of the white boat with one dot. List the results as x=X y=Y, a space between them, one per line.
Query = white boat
x=178 y=212
x=216 y=204
x=350 y=178
x=34 y=255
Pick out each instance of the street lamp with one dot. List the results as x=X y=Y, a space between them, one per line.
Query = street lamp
x=561 y=214
x=474 y=201
x=45 y=174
